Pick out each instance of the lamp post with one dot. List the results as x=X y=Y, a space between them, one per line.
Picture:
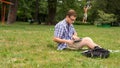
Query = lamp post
x=4 y=3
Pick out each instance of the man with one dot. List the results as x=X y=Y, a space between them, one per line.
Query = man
x=66 y=36
x=85 y=14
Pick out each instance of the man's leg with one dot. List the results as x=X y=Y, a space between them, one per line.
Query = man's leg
x=87 y=41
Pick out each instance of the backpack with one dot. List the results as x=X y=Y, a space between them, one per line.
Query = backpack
x=97 y=52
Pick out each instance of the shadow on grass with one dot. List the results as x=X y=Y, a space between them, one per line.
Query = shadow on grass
x=80 y=50
x=53 y=47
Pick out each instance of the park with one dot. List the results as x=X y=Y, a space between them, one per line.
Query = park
x=26 y=33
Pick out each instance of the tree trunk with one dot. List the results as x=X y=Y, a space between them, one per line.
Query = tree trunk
x=37 y=12
x=12 y=12
x=51 y=11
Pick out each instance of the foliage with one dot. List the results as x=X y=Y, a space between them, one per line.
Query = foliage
x=109 y=6
x=92 y=12
x=24 y=9
x=26 y=46
x=105 y=17
x=64 y=5
x=27 y=9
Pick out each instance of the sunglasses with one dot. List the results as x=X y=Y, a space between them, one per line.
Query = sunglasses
x=71 y=19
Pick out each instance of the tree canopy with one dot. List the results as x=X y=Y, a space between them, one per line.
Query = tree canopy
x=51 y=11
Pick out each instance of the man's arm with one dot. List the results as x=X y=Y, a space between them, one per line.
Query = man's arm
x=75 y=37
x=58 y=40
x=75 y=34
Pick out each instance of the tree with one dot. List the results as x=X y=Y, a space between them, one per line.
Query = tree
x=37 y=11
x=52 y=4
x=109 y=6
x=64 y=5
x=105 y=18
x=12 y=12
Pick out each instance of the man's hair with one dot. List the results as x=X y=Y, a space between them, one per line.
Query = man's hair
x=71 y=12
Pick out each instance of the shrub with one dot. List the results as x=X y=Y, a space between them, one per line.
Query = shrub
x=105 y=18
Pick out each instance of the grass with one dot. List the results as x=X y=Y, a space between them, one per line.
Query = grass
x=31 y=46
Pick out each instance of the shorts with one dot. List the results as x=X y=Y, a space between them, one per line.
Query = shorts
x=76 y=45
x=85 y=16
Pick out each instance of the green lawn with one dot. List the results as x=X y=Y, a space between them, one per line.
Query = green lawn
x=31 y=46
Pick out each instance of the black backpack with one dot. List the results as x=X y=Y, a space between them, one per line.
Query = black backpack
x=97 y=52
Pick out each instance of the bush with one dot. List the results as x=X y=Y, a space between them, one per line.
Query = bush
x=105 y=18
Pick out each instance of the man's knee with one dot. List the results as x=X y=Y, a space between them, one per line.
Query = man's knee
x=87 y=39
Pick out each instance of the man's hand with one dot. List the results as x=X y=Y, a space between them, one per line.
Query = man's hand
x=70 y=42
x=75 y=37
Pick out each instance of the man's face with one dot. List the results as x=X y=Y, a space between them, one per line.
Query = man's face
x=71 y=19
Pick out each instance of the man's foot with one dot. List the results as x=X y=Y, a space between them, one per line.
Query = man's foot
x=97 y=47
